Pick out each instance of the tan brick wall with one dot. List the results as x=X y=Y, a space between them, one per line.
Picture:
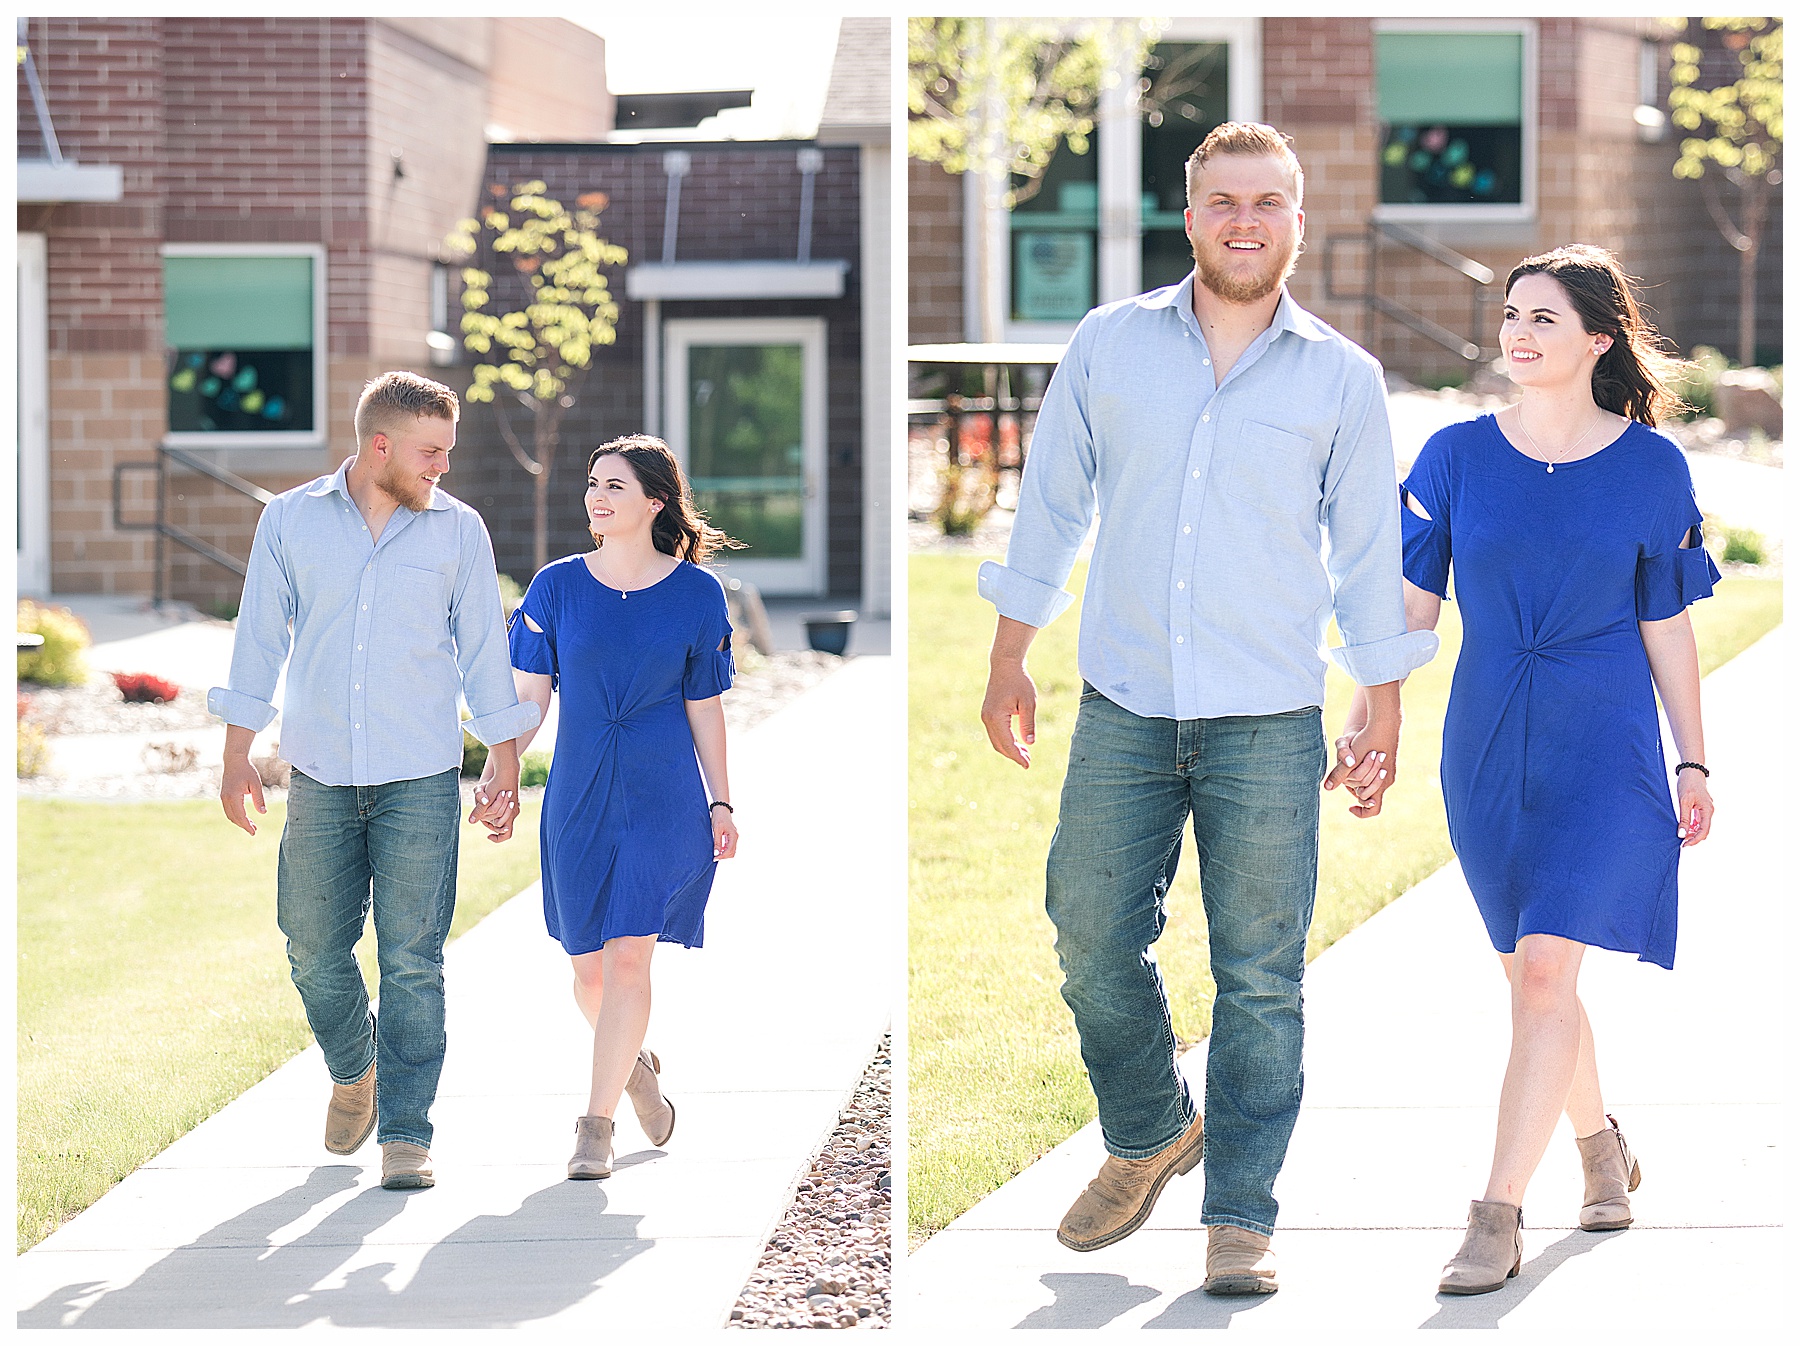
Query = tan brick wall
x=104 y=409
x=934 y=254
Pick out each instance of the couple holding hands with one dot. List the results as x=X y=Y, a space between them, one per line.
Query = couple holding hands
x=1224 y=434
x=382 y=589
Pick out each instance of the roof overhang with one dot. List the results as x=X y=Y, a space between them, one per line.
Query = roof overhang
x=41 y=181
x=736 y=280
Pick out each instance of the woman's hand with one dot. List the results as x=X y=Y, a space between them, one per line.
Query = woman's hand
x=494 y=811
x=724 y=833
x=1694 y=808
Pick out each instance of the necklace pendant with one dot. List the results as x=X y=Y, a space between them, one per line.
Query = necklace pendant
x=1549 y=467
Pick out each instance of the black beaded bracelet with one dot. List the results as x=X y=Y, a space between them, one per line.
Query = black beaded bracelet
x=1683 y=766
x=720 y=804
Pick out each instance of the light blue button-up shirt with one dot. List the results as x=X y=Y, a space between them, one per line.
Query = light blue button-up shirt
x=1235 y=520
x=384 y=634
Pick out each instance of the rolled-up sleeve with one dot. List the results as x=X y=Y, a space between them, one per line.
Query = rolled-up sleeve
x=479 y=627
x=1056 y=500
x=1362 y=519
x=264 y=633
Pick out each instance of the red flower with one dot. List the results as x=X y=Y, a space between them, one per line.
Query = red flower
x=145 y=687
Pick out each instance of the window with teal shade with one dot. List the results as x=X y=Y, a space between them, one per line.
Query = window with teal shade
x=243 y=343
x=1452 y=111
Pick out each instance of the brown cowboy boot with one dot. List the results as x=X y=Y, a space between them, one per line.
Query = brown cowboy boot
x=350 y=1116
x=1121 y=1196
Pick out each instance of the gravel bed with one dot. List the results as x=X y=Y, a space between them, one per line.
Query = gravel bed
x=97 y=708
x=764 y=684
x=828 y=1263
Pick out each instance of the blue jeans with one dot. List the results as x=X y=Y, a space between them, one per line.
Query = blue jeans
x=346 y=848
x=1251 y=785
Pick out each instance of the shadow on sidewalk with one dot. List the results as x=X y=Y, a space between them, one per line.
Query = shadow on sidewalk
x=1461 y=1311
x=1086 y=1299
x=233 y=1276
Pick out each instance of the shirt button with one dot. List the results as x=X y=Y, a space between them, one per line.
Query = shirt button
x=1204 y=418
x=359 y=647
x=1207 y=363
x=359 y=686
x=1186 y=528
x=1181 y=584
x=358 y=726
x=1179 y=640
x=1196 y=472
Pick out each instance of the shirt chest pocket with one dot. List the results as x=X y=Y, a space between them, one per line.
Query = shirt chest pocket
x=419 y=592
x=1273 y=469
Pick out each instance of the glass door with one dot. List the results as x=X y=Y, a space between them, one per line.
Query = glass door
x=745 y=402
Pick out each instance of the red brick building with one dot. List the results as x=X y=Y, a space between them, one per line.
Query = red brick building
x=1492 y=138
x=225 y=227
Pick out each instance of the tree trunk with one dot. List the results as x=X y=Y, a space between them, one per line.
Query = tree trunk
x=1756 y=209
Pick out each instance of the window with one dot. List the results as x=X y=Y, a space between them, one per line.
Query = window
x=1053 y=240
x=1457 y=120
x=245 y=339
x=1189 y=95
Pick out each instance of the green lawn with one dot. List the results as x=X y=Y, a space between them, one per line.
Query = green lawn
x=153 y=985
x=995 y=1076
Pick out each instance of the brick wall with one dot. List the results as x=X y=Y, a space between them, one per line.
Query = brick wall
x=934 y=254
x=266 y=130
x=738 y=202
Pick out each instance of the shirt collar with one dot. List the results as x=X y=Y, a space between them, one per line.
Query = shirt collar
x=1289 y=316
x=339 y=482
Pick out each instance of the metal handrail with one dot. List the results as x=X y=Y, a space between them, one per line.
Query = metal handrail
x=160 y=525
x=1375 y=304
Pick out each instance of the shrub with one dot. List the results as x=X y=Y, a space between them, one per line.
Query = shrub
x=474 y=756
x=534 y=770
x=1695 y=386
x=34 y=749
x=145 y=687
x=1742 y=544
x=57 y=662
x=511 y=595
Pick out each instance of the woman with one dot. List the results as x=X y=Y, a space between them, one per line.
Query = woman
x=1577 y=550
x=635 y=638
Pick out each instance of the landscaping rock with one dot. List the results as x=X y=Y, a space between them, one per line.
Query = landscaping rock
x=1748 y=399
x=828 y=1263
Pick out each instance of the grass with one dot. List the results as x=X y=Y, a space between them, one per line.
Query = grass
x=996 y=1078
x=153 y=984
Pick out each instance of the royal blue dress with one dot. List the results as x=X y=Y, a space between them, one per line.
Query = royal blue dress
x=626 y=836
x=1558 y=796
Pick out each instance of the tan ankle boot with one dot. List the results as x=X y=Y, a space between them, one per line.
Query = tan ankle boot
x=350 y=1116
x=1491 y=1251
x=654 y=1112
x=1122 y=1194
x=593 y=1148
x=1611 y=1173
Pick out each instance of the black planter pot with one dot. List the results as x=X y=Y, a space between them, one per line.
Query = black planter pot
x=829 y=632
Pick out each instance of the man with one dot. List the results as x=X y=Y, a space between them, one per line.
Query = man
x=1220 y=426
x=384 y=588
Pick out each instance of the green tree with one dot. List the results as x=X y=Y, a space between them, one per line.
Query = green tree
x=535 y=331
x=1734 y=132
x=999 y=97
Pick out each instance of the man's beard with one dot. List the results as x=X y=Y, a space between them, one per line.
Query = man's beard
x=1241 y=289
x=405 y=490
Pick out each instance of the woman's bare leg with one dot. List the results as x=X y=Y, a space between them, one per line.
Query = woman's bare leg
x=1585 y=1109
x=590 y=984
x=623 y=1016
x=1540 y=1071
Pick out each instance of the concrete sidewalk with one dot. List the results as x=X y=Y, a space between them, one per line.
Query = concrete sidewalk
x=1407 y=1035
x=248 y=1222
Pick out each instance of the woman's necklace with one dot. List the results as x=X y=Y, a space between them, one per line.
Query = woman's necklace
x=1550 y=463
x=623 y=590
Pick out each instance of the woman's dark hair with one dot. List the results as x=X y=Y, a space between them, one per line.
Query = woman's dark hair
x=1635 y=376
x=678 y=528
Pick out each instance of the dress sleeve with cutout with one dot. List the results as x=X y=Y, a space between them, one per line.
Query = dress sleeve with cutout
x=1673 y=567
x=1425 y=543
x=709 y=664
x=534 y=651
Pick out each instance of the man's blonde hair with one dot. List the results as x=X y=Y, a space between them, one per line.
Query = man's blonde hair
x=1246 y=138
x=397 y=398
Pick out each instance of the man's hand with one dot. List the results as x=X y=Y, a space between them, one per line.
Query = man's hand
x=497 y=793
x=1010 y=692
x=1366 y=754
x=239 y=778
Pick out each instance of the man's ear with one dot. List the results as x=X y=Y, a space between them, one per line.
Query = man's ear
x=380 y=443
